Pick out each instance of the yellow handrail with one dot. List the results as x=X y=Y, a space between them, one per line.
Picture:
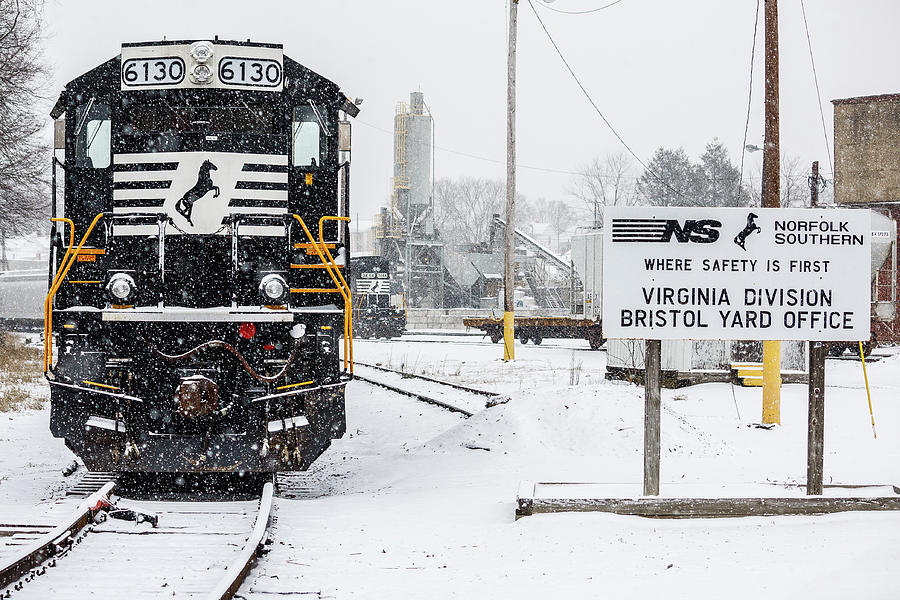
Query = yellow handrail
x=64 y=267
x=71 y=234
x=348 y=309
x=348 y=326
x=59 y=270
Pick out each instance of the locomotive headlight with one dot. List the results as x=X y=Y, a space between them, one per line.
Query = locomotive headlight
x=201 y=52
x=273 y=287
x=121 y=287
x=298 y=331
x=201 y=73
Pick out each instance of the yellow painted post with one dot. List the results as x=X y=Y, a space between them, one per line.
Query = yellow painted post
x=862 y=356
x=771 y=198
x=509 y=336
x=771 y=382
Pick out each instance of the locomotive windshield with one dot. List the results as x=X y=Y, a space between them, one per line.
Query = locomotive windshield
x=165 y=118
x=92 y=135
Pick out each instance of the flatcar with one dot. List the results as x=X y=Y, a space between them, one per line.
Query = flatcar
x=198 y=298
x=377 y=299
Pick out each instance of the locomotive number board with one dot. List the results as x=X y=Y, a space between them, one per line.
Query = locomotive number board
x=218 y=66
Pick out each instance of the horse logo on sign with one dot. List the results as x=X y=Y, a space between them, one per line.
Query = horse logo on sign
x=751 y=227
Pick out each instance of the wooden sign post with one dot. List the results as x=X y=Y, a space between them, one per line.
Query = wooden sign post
x=815 y=449
x=652 y=407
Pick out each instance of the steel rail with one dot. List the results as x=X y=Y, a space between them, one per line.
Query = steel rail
x=416 y=395
x=432 y=380
x=239 y=568
x=478 y=342
x=61 y=538
x=53 y=543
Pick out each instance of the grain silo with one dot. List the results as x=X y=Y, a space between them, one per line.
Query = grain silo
x=406 y=232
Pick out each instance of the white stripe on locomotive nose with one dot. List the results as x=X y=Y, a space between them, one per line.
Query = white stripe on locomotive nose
x=251 y=176
x=152 y=230
x=261 y=176
x=162 y=157
x=261 y=210
x=238 y=210
x=263 y=230
x=119 y=176
x=138 y=194
x=279 y=195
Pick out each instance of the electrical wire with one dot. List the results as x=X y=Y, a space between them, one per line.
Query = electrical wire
x=816 y=79
x=597 y=109
x=475 y=156
x=749 y=98
x=579 y=12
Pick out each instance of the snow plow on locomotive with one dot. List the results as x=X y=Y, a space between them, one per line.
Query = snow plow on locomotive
x=199 y=291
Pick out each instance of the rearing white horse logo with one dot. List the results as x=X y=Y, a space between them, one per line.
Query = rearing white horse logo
x=204 y=185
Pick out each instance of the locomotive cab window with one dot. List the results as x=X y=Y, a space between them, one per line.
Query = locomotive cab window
x=165 y=118
x=306 y=138
x=93 y=128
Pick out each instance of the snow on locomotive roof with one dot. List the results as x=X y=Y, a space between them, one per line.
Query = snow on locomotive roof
x=215 y=40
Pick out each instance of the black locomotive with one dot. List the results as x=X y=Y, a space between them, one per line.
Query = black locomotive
x=375 y=313
x=198 y=294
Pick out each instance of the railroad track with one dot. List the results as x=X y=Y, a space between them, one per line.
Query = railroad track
x=198 y=549
x=450 y=396
x=479 y=341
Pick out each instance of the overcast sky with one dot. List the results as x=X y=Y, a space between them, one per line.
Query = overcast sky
x=664 y=73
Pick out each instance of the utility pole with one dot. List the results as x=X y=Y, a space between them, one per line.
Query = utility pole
x=815 y=440
x=509 y=262
x=771 y=198
x=814 y=186
x=652 y=410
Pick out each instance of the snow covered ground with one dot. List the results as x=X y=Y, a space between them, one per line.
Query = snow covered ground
x=403 y=507
x=415 y=513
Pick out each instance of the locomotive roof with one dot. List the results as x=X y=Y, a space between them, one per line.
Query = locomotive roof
x=215 y=40
x=105 y=78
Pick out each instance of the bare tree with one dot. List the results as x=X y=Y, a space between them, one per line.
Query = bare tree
x=605 y=182
x=23 y=152
x=794 y=186
x=559 y=216
x=463 y=208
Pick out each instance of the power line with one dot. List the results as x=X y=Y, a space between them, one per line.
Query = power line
x=816 y=79
x=475 y=156
x=596 y=108
x=579 y=12
x=749 y=97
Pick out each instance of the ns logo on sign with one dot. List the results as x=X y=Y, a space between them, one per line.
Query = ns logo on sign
x=702 y=231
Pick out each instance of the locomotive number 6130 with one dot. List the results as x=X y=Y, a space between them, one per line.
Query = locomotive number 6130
x=257 y=72
x=153 y=71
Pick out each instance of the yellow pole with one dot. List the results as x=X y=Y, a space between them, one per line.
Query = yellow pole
x=771 y=412
x=771 y=198
x=862 y=355
x=509 y=336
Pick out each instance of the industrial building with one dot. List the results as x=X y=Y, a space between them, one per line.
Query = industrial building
x=436 y=272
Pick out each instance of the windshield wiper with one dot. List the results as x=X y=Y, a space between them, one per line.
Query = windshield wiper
x=258 y=118
x=319 y=118
x=87 y=111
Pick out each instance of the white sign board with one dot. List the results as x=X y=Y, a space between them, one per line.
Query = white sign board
x=736 y=273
